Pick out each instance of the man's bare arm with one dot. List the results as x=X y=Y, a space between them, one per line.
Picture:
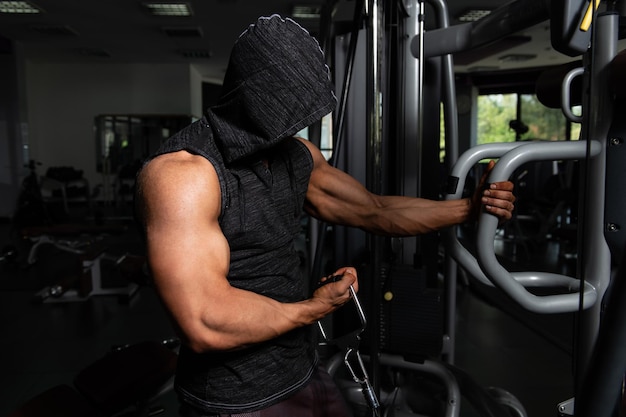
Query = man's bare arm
x=336 y=197
x=179 y=203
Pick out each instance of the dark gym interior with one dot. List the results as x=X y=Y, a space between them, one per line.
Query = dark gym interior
x=87 y=94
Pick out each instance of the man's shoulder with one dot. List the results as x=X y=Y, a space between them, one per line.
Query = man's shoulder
x=177 y=166
x=178 y=160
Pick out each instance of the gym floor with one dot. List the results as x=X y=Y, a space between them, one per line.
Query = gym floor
x=46 y=344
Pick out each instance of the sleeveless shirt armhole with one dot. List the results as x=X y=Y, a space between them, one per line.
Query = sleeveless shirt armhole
x=306 y=150
x=225 y=199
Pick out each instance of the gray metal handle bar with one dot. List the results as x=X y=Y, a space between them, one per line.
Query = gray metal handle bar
x=486 y=267
x=455 y=190
x=456 y=184
x=566 y=101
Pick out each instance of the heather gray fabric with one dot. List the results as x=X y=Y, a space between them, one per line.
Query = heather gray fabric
x=319 y=398
x=260 y=223
x=277 y=83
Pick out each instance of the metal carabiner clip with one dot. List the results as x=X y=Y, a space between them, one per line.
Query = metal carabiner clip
x=363 y=380
x=346 y=359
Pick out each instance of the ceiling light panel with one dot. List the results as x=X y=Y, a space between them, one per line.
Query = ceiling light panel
x=18 y=7
x=473 y=15
x=168 y=9
x=306 y=12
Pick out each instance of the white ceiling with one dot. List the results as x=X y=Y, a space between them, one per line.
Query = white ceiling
x=81 y=30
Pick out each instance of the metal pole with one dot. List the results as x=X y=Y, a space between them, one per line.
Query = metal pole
x=451 y=124
x=420 y=92
x=596 y=257
x=374 y=170
x=409 y=157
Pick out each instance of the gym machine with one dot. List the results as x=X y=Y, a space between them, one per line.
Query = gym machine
x=596 y=294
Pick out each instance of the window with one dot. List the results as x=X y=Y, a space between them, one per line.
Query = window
x=511 y=117
x=326 y=136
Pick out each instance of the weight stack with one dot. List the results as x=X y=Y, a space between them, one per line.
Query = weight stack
x=411 y=322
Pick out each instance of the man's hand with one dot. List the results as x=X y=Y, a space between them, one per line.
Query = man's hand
x=497 y=198
x=334 y=291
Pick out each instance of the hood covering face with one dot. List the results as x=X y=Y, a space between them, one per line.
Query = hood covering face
x=276 y=84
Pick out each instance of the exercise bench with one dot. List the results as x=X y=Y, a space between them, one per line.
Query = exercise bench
x=85 y=241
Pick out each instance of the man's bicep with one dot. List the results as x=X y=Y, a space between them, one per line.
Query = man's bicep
x=187 y=251
x=189 y=268
x=187 y=261
x=336 y=197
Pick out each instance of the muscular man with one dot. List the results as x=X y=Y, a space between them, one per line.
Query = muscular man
x=220 y=204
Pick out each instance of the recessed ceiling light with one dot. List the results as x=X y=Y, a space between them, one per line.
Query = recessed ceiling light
x=306 y=12
x=168 y=9
x=473 y=15
x=18 y=7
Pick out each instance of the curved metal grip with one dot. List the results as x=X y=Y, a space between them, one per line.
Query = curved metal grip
x=566 y=101
x=514 y=284
x=456 y=184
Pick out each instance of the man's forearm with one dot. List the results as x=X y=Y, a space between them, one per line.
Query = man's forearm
x=404 y=216
x=232 y=318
